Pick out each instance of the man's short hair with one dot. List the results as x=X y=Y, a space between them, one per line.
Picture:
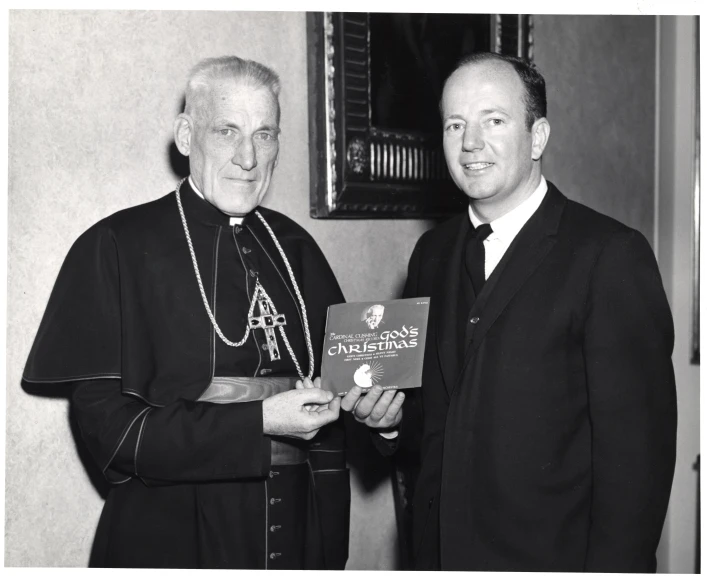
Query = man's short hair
x=249 y=72
x=534 y=98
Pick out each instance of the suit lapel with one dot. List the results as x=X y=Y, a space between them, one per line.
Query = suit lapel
x=447 y=288
x=525 y=254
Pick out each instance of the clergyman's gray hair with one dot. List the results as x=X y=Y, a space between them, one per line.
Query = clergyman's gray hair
x=249 y=72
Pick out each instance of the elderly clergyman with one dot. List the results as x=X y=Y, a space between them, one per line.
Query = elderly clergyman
x=191 y=329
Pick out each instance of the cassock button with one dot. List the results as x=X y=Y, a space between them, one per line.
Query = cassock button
x=264 y=346
x=238 y=229
x=275 y=555
x=273 y=473
x=253 y=273
x=265 y=371
x=246 y=250
x=274 y=528
x=274 y=501
x=474 y=320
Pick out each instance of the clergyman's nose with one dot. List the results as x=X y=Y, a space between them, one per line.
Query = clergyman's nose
x=244 y=155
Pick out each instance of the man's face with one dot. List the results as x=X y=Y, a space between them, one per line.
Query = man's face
x=490 y=153
x=374 y=318
x=233 y=145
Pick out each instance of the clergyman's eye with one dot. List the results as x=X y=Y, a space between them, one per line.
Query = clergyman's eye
x=266 y=136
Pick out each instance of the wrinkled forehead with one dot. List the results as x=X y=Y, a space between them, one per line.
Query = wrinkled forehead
x=223 y=94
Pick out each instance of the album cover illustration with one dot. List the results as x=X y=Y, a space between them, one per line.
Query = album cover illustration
x=375 y=343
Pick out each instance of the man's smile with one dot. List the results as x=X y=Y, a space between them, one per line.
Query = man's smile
x=476 y=166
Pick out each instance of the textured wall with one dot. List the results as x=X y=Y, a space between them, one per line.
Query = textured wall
x=600 y=74
x=92 y=99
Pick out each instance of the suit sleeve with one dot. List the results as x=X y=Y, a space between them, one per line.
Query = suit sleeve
x=407 y=436
x=632 y=403
x=182 y=442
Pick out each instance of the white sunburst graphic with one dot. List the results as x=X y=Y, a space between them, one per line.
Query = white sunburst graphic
x=366 y=375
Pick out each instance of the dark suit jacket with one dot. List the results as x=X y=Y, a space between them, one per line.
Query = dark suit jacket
x=551 y=445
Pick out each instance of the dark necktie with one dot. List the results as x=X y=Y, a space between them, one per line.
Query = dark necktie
x=476 y=256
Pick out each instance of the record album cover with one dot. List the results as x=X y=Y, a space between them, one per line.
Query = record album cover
x=369 y=343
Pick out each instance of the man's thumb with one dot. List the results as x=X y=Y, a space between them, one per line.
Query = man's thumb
x=315 y=396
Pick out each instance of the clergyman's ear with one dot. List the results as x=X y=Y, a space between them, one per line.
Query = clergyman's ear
x=183 y=127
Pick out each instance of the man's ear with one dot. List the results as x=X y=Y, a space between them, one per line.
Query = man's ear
x=183 y=128
x=541 y=134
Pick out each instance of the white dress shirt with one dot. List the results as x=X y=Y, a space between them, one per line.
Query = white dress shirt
x=507 y=227
x=231 y=221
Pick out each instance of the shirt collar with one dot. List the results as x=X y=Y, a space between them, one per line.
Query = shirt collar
x=507 y=226
x=231 y=220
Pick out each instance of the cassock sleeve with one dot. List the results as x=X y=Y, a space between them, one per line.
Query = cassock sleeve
x=182 y=442
x=632 y=403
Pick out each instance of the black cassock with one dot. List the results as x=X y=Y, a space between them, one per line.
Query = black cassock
x=194 y=486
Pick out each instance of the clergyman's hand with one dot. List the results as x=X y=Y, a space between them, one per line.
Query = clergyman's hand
x=285 y=414
x=379 y=409
x=306 y=384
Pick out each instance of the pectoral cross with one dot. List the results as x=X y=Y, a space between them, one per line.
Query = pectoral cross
x=267 y=321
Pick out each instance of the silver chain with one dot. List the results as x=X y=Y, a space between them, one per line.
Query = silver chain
x=308 y=339
x=259 y=289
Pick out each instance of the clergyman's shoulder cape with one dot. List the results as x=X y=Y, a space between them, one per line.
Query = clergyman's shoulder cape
x=126 y=303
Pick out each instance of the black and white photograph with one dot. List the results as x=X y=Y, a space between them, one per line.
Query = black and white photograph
x=190 y=189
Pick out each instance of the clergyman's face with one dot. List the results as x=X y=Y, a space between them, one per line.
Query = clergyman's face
x=233 y=145
x=375 y=315
x=489 y=150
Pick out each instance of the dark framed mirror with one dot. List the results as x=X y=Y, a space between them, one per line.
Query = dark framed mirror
x=375 y=80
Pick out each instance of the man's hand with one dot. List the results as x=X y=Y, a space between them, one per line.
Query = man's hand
x=306 y=384
x=378 y=409
x=286 y=414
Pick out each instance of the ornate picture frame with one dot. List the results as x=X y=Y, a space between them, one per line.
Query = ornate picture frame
x=373 y=154
x=695 y=306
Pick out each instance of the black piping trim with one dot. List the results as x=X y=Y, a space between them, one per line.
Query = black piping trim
x=324 y=450
x=332 y=470
x=139 y=438
x=123 y=437
x=72 y=378
x=247 y=291
x=217 y=245
x=141 y=397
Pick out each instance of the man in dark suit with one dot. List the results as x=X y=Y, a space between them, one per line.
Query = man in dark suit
x=548 y=400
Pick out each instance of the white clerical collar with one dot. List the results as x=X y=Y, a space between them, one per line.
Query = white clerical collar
x=507 y=226
x=231 y=220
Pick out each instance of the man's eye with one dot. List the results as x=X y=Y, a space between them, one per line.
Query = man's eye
x=496 y=122
x=226 y=132
x=265 y=136
x=454 y=127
